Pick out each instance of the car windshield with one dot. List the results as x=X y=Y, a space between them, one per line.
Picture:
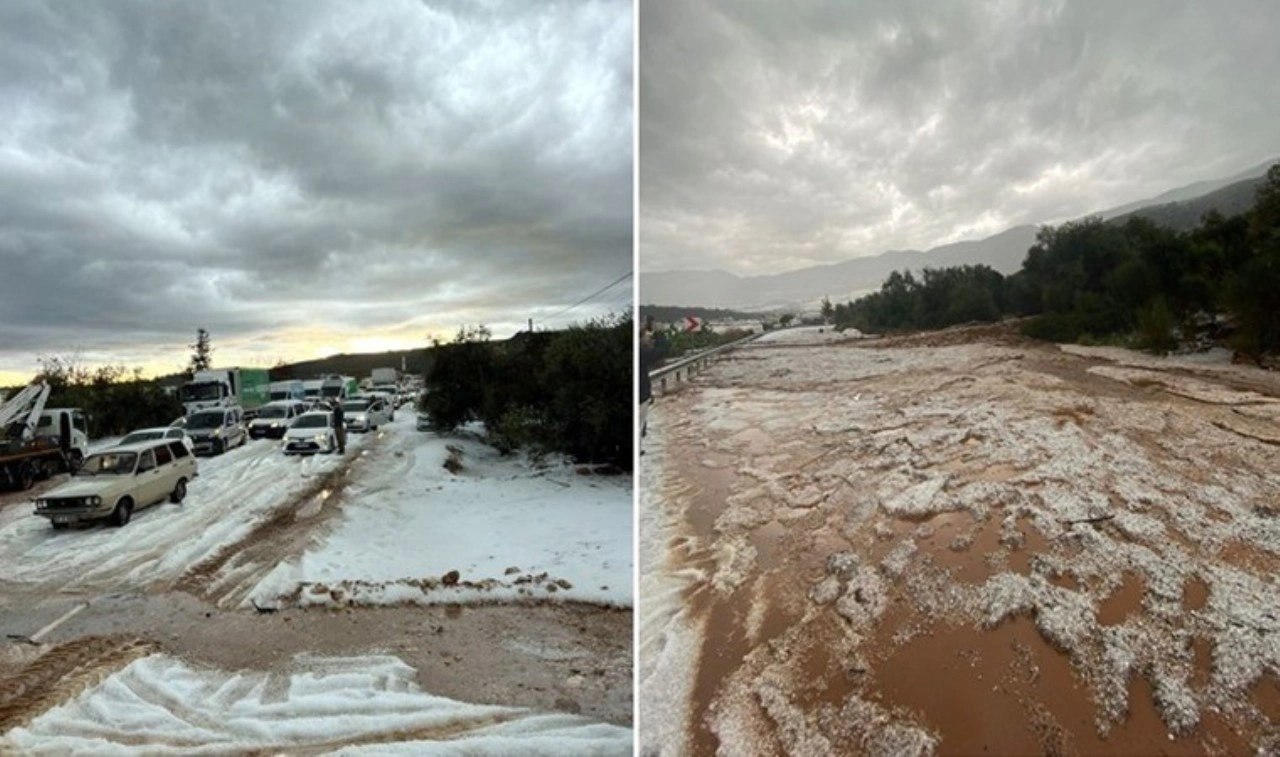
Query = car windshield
x=200 y=392
x=140 y=436
x=314 y=420
x=273 y=412
x=315 y=392
x=331 y=391
x=205 y=420
x=358 y=406
x=279 y=396
x=108 y=463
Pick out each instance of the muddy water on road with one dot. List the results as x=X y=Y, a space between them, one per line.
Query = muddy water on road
x=564 y=657
x=766 y=503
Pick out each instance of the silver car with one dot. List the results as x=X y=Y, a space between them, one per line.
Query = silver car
x=216 y=430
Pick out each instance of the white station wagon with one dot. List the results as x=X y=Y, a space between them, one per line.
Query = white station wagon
x=114 y=483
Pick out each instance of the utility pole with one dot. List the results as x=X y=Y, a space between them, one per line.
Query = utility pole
x=530 y=325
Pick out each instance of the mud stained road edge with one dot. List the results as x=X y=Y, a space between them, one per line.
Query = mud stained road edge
x=62 y=672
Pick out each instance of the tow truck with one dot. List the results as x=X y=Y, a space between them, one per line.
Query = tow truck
x=36 y=442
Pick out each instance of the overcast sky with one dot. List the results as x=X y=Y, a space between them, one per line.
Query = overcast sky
x=307 y=177
x=776 y=135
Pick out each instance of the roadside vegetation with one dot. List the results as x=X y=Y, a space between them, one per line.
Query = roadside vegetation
x=116 y=399
x=1134 y=284
x=565 y=392
x=674 y=344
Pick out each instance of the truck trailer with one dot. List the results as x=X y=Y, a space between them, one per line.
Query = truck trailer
x=226 y=387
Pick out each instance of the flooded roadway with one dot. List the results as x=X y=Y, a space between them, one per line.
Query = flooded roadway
x=975 y=547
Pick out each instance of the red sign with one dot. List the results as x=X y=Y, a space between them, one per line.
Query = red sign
x=691 y=323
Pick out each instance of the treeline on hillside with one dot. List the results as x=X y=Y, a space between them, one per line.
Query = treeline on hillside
x=565 y=391
x=416 y=362
x=1092 y=281
x=677 y=314
x=116 y=400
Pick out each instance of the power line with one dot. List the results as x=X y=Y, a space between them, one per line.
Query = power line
x=591 y=296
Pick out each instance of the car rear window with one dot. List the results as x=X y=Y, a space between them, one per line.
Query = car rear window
x=178 y=449
x=163 y=455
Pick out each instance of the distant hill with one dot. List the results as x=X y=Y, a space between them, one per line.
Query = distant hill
x=1185 y=215
x=1180 y=208
x=675 y=313
x=416 y=362
x=1191 y=191
x=850 y=279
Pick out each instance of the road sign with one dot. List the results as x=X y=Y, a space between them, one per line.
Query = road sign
x=691 y=323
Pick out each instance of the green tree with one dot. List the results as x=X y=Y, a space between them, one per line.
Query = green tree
x=458 y=378
x=201 y=352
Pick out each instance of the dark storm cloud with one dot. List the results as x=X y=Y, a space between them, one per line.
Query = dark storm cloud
x=257 y=167
x=776 y=135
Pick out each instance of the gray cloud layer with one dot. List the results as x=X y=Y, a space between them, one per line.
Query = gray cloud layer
x=775 y=135
x=256 y=168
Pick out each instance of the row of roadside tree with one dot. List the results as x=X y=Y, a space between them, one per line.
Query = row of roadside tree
x=1134 y=283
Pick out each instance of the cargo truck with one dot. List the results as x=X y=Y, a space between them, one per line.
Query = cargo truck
x=338 y=387
x=287 y=390
x=311 y=392
x=386 y=379
x=246 y=388
x=39 y=442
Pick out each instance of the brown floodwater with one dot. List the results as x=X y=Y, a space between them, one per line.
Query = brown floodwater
x=1005 y=691
x=1123 y=602
x=1195 y=594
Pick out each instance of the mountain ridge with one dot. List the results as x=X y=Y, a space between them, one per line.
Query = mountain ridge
x=1180 y=208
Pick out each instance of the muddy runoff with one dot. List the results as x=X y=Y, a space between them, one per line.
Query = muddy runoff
x=971 y=548
x=566 y=657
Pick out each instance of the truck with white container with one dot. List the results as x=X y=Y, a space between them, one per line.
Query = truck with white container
x=311 y=392
x=38 y=442
x=338 y=388
x=280 y=391
x=386 y=379
x=246 y=388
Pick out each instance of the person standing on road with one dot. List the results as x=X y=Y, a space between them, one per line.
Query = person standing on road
x=339 y=427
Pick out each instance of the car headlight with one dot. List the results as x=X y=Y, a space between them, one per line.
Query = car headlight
x=217 y=432
x=321 y=437
x=95 y=500
x=42 y=504
x=275 y=425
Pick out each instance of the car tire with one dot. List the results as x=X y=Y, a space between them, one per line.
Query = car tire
x=60 y=526
x=219 y=447
x=74 y=461
x=26 y=476
x=179 y=492
x=123 y=512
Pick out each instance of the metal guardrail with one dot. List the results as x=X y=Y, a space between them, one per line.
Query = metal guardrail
x=686 y=366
